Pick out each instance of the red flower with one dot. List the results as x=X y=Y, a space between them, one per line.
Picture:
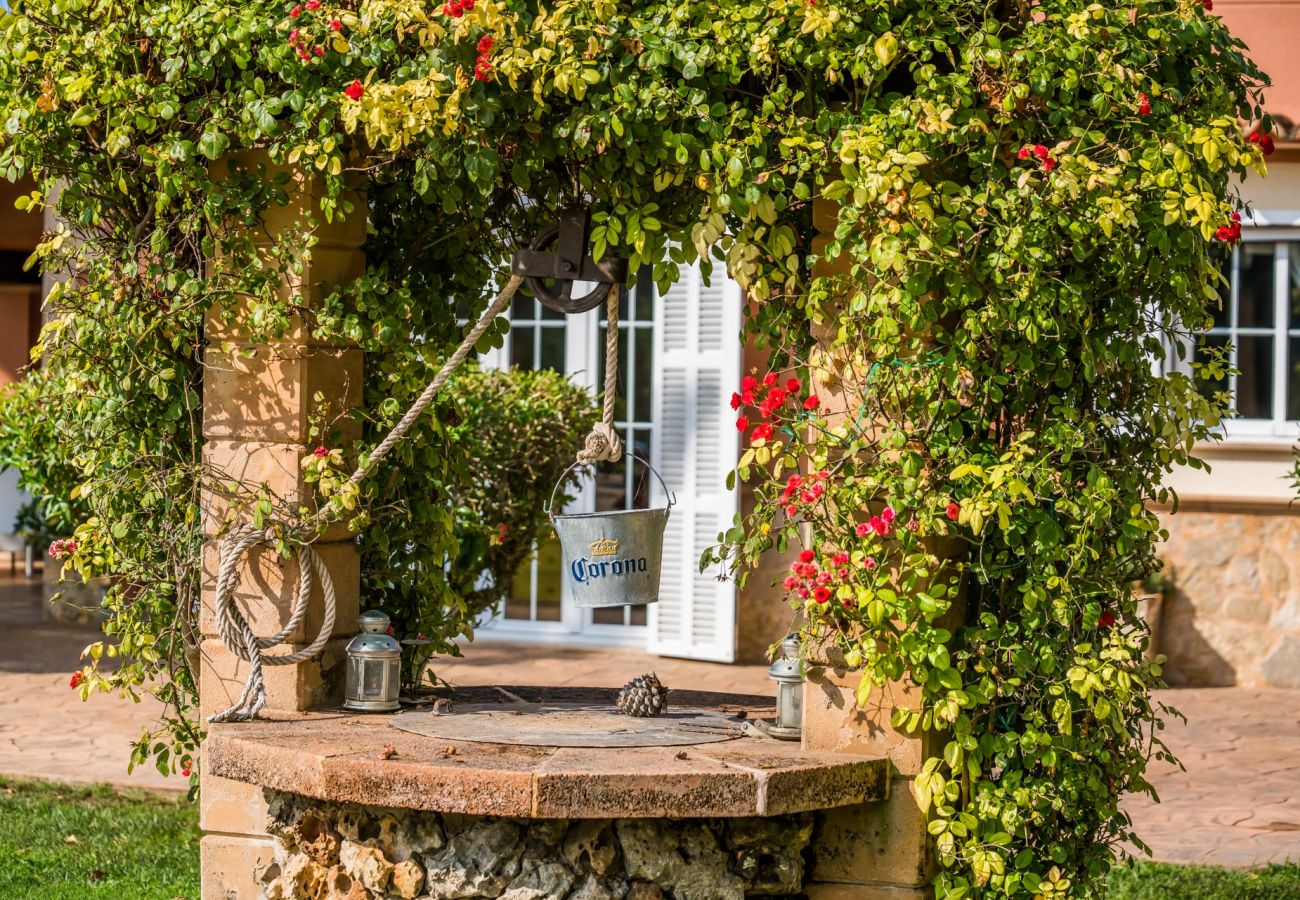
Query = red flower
x=763 y=432
x=1041 y=151
x=1144 y=105
x=185 y=772
x=355 y=90
x=792 y=385
x=482 y=68
x=1208 y=4
x=295 y=12
x=56 y=548
x=76 y=679
x=293 y=36
x=862 y=529
x=1264 y=141
x=1025 y=152
x=1107 y=619
x=791 y=582
x=735 y=401
x=807 y=556
x=769 y=380
x=822 y=594
x=953 y=511
x=320 y=452
x=839 y=559
x=485 y=43
x=749 y=383
x=318 y=50
x=313 y=4
x=888 y=514
x=812 y=402
x=1049 y=164
x=336 y=25
x=879 y=526
x=502 y=531
x=742 y=424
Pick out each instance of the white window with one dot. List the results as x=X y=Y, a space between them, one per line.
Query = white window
x=1260 y=319
x=679 y=360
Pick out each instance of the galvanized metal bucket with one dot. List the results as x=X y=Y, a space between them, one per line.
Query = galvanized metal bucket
x=612 y=558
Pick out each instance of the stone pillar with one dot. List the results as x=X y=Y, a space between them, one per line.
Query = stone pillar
x=878 y=851
x=258 y=403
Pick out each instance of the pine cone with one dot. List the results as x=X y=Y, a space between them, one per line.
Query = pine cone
x=643 y=696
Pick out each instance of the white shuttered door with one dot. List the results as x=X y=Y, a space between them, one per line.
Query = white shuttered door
x=697 y=355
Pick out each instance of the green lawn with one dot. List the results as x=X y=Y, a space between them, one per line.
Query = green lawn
x=66 y=843
x=1158 y=881
x=137 y=846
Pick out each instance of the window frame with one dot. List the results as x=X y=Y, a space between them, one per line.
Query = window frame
x=1277 y=428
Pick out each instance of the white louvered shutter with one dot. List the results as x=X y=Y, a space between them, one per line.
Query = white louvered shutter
x=697 y=365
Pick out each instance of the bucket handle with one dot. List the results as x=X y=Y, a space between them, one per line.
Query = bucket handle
x=550 y=506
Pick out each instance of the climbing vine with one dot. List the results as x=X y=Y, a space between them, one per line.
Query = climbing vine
x=1019 y=204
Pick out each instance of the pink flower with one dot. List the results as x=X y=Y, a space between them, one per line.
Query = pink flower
x=320 y=452
x=913 y=524
x=318 y=50
x=879 y=526
x=336 y=25
x=313 y=4
x=953 y=511
x=792 y=510
x=293 y=36
x=355 y=90
x=1144 y=105
x=295 y=12
x=862 y=529
x=1025 y=152
x=888 y=514
x=869 y=563
x=790 y=583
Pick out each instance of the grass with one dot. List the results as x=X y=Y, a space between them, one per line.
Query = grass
x=71 y=843
x=86 y=843
x=1161 y=881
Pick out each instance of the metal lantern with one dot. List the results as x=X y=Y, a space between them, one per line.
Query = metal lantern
x=374 y=666
x=787 y=672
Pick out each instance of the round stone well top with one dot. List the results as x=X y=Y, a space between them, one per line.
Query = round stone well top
x=485 y=770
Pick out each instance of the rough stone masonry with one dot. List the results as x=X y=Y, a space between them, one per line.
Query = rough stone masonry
x=334 y=851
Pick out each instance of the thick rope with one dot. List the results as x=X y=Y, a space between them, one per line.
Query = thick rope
x=231 y=624
x=604 y=443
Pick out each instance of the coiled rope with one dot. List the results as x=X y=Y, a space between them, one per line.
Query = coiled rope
x=602 y=444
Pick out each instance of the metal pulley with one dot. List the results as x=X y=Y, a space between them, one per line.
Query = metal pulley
x=557 y=259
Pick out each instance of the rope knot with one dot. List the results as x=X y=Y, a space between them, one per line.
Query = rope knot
x=603 y=444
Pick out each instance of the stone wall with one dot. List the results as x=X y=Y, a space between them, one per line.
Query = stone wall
x=1233 y=615
x=331 y=851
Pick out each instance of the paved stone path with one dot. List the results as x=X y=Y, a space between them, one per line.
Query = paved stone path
x=1237 y=803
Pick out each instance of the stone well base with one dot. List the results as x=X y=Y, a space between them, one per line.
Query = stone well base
x=335 y=850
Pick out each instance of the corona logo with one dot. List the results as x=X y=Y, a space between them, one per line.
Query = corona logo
x=604 y=547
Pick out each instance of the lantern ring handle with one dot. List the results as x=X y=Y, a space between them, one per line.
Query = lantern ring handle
x=550 y=506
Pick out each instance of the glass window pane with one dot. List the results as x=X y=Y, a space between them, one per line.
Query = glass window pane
x=638 y=616
x=1255 y=293
x=549 y=565
x=552 y=349
x=518 y=605
x=1222 y=311
x=1293 y=381
x=521 y=306
x=521 y=346
x=624 y=304
x=1254 y=398
x=1293 y=263
x=1204 y=384
x=644 y=373
x=640 y=444
x=608 y=615
x=620 y=406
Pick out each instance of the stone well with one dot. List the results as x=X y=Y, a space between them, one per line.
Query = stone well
x=312 y=802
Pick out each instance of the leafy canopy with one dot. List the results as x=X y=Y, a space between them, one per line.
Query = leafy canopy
x=1028 y=197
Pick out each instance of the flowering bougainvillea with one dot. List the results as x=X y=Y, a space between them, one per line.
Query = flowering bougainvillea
x=961 y=416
